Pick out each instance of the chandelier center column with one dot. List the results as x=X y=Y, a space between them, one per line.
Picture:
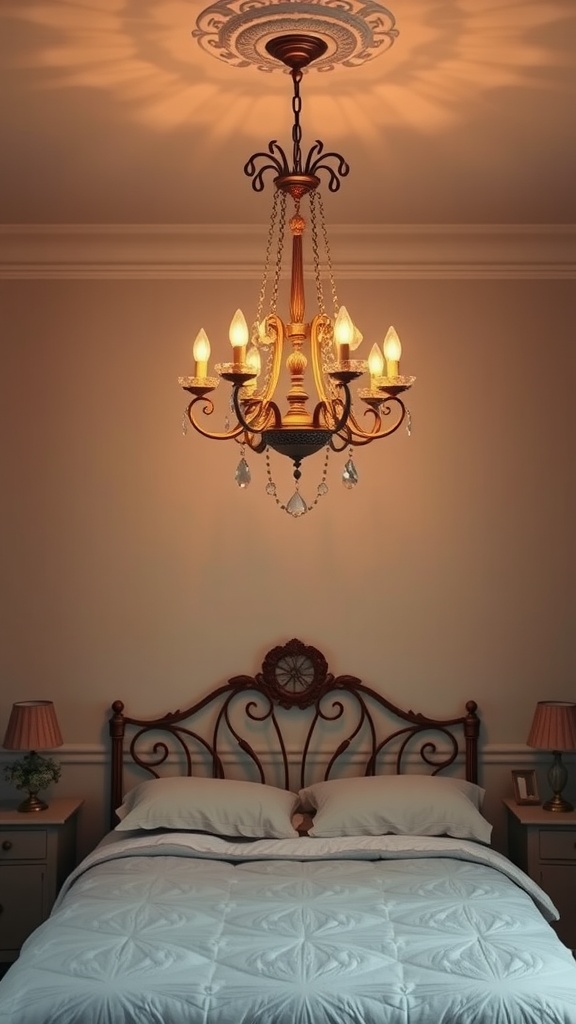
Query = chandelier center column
x=296 y=330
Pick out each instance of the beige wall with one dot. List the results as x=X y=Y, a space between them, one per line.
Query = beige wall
x=133 y=566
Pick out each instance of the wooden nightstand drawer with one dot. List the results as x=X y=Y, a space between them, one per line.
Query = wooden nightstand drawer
x=558 y=844
x=17 y=844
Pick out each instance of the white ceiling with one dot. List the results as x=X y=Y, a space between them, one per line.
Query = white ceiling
x=111 y=113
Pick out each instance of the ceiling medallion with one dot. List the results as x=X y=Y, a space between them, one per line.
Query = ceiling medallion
x=239 y=31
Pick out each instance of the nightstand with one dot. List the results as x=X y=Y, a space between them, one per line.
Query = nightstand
x=37 y=852
x=543 y=844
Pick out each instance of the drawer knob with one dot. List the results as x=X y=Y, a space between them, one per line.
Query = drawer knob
x=6 y=845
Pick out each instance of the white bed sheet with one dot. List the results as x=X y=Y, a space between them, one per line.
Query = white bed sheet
x=174 y=928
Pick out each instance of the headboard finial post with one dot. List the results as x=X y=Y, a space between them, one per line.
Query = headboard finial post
x=117 y=736
x=471 y=733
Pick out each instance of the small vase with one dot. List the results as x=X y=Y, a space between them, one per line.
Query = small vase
x=32 y=803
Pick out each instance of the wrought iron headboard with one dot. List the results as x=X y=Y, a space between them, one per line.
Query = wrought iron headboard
x=235 y=717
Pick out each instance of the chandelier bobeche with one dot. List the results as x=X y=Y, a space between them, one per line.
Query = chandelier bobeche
x=293 y=36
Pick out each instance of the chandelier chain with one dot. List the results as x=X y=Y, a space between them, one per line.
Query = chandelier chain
x=326 y=344
x=316 y=253
x=267 y=258
x=279 y=254
x=328 y=253
x=321 y=489
x=296 y=127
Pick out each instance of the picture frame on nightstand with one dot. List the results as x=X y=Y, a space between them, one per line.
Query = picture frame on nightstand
x=525 y=786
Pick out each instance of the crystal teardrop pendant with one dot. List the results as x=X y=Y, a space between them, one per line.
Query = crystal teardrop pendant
x=350 y=475
x=296 y=506
x=242 y=475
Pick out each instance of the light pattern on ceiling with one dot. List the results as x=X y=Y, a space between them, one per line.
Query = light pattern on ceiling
x=142 y=54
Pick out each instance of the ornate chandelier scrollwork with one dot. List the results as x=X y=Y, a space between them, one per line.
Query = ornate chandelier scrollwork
x=334 y=424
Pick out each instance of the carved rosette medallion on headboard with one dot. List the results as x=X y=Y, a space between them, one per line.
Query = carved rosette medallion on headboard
x=295 y=675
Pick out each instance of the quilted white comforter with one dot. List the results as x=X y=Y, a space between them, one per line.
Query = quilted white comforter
x=187 y=929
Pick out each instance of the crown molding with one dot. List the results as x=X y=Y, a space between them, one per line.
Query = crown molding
x=236 y=251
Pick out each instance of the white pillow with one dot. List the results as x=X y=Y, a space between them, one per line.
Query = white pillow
x=422 y=805
x=225 y=807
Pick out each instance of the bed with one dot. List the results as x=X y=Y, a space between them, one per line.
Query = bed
x=295 y=849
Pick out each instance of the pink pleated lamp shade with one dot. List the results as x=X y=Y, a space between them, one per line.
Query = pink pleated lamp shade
x=553 y=726
x=33 y=726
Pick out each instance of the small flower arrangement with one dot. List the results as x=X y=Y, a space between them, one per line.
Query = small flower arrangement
x=33 y=773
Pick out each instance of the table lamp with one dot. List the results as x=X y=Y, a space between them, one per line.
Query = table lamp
x=554 y=728
x=33 y=725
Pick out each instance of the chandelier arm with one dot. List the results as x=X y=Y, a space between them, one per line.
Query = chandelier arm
x=323 y=407
x=320 y=324
x=258 y=414
x=271 y=409
x=255 y=442
x=208 y=409
x=339 y=442
x=356 y=428
x=358 y=437
x=274 y=321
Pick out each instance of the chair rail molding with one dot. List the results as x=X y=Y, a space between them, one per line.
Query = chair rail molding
x=517 y=754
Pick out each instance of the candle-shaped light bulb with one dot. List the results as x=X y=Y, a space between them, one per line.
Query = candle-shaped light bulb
x=201 y=353
x=357 y=338
x=238 y=335
x=375 y=363
x=343 y=333
x=392 y=352
x=254 y=363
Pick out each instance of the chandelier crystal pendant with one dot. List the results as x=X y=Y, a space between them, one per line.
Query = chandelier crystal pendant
x=334 y=422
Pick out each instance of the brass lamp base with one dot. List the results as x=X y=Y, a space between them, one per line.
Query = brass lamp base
x=32 y=803
x=557 y=803
x=557 y=779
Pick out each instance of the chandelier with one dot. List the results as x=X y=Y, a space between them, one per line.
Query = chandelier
x=319 y=413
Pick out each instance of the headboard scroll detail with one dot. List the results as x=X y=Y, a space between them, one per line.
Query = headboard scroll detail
x=294 y=678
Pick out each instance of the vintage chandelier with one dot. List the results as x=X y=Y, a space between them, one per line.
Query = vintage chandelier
x=335 y=423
